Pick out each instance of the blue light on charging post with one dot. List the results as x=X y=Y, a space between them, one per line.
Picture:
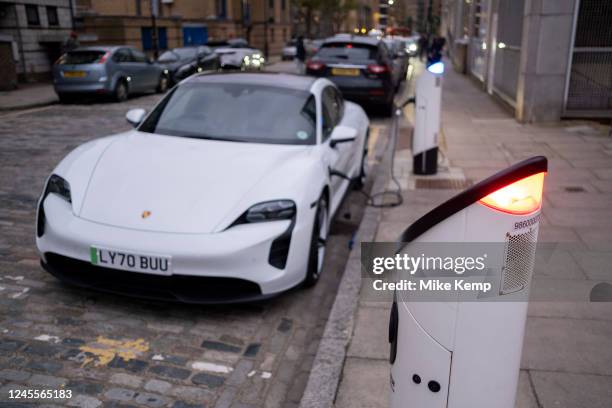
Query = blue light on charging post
x=436 y=68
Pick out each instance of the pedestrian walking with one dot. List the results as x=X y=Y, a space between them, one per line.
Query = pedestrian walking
x=435 y=51
x=300 y=54
x=70 y=43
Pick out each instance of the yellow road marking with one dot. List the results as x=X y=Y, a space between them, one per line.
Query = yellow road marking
x=104 y=350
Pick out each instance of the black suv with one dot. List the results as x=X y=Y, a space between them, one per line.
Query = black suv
x=361 y=67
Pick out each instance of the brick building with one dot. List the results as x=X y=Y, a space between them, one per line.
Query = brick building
x=31 y=36
x=184 y=22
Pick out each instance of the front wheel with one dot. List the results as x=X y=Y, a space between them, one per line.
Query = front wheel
x=121 y=91
x=318 y=241
x=162 y=84
x=65 y=98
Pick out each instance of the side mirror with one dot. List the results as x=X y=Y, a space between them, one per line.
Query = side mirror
x=342 y=134
x=135 y=116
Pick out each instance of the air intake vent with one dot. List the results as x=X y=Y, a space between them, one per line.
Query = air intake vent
x=519 y=254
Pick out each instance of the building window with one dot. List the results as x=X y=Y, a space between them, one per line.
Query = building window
x=52 y=16
x=138 y=7
x=271 y=3
x=283 y=4
x=221 y=9
x=32 y=14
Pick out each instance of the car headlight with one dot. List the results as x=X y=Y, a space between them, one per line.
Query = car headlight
x=57 y=185
x=412 y=47
x=268 y=211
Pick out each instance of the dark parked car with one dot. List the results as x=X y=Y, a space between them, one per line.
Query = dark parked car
x=400 y=58
x=360 y=66
x=186 y=61
x=115 y=71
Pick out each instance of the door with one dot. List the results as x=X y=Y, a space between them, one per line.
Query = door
x=123 y=61
x=137 y=67
x=8 y=70
x=147 y=38
x=337 y=157
x=195 y=35
x=148 y=71
x=420 y=364
x=478 y=50
x=588 y=89
x=508 y=53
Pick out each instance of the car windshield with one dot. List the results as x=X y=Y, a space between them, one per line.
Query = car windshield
x=168 y=56
x=81 y=57
x=348 y=51
x=236 y=112
x=177 y=53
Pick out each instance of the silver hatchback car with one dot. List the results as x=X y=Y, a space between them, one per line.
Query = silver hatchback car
x=114 y=71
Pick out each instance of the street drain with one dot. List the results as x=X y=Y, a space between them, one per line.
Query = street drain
x=574 y=189
x=443 y=184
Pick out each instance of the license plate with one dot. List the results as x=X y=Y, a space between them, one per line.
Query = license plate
x=74 y=74
x=345 y=71
x=128 y=261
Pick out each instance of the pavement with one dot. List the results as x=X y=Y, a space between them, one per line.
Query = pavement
x=567 y=352
x=116 y=351
x=28 y=96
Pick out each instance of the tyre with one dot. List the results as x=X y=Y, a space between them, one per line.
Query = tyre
x=387 y=109
x=65 y=98
x=121 y=91
x=162 y=84
x=318 y=241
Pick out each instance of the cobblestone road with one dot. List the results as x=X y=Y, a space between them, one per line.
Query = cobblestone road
x=113 y=351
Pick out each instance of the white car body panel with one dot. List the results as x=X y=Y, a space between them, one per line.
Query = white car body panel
x=180 y=190
x=195 y=190
x=289 y=51
x=235 y=56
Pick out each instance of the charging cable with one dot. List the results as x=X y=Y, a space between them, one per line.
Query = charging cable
x=378 y=199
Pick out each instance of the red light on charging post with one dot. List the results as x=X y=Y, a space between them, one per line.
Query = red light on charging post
x=521 y=197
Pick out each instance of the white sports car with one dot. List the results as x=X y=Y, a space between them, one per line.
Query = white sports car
x=224 y=191
x=245 y=59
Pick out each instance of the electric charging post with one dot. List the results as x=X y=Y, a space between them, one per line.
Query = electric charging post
x=456 y=354
x=428 y=99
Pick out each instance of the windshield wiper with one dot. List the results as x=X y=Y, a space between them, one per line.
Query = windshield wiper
x=204 y=137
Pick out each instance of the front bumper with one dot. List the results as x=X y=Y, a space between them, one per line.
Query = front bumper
x=202 y=264
x=179 y=288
